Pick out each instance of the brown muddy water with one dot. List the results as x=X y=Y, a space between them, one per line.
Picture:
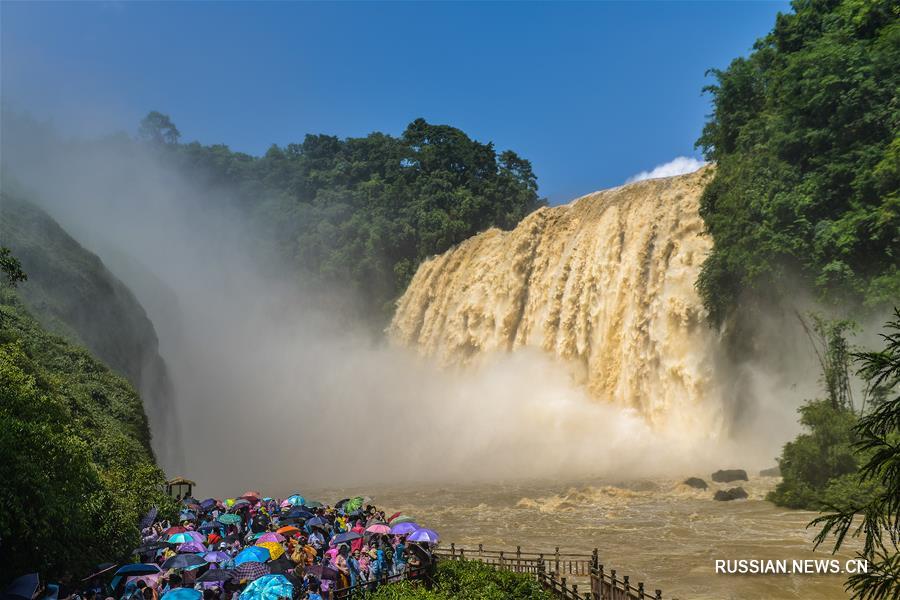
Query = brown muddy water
x=656 y=531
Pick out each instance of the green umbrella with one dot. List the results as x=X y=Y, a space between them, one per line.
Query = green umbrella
x=313 y=504
x=229 y=519
x=403 y=519
x=353 y=504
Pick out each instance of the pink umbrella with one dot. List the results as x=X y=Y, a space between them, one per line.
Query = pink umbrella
x=191 y=547
x=331 y=552
x=285 y=504
x=379 y=528
x=270 y=537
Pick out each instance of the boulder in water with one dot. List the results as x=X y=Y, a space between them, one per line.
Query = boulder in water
x=727 y=475
x=737 y=493
x=773 y=472
x=696 y=483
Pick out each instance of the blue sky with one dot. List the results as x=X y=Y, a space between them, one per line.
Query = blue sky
x=591 y=93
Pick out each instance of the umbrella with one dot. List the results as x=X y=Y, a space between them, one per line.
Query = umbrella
x=424 y=535
x=322 y=572
x=216 y=575
x=209 y=527
x=296 y=500
x=313 y=504
x=253 y=493
x=187 y=516
x=191 y=547
x=148 y=519
x=183 y=594
x=403 y=519
x=148 y=548
x=299 y=513
x=250 y=570
x=183 y=561
x=208 y=503
x=252 y=554
x=288 y=530
x=394 y=516
x=181 y=538
x=216 y=556
x=354 y=503
x=340 y=503
x=347 y=536
x=139 y=569
x=378 y=528
x=403 y=528
x=270 y=536
x=22 y=587
x=317 y=522
x=174 y=530
x=275 y=549
x=268 y=587
x=229 y=519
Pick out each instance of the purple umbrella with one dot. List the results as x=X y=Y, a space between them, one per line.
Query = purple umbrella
x=428 y=536
x=191 y=547
x=404 y=528
x=216 y=556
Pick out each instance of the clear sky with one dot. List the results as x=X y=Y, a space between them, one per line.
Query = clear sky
x=591 y=93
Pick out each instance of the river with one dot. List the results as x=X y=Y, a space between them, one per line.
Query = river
x=657 y=531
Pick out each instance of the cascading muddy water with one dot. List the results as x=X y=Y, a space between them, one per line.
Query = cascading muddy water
x=605 y=283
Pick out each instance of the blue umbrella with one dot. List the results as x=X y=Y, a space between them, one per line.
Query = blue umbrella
x=299 y=513
x=187 y=516
x=252 y=554
x=208 y=503
x=296 y=500
x=317 y=522
x=22 y=587
x=138 y=569
x=183 y=594
x=268 y=587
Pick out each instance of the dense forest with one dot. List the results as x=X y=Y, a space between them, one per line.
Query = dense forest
x=806 y=135
x=362 y=213
x=805 y=132
x=78 y=472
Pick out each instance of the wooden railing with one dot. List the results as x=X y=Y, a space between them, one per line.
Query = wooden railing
x=560 y=573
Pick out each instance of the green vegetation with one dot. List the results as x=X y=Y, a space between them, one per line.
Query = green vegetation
x=78 y=472
x=73 y=294
x=362 y=213
x=806 y=135
x=467 y=580
x=878 y=439
x=819 y=468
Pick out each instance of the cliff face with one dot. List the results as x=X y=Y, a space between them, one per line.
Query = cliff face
x=73 y=294
x=606 y=283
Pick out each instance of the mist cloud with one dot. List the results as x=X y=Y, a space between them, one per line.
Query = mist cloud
x=679 y=165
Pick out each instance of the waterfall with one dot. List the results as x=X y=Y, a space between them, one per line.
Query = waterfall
x=604 y=283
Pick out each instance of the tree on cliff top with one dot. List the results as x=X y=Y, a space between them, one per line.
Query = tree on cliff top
x=806 y=134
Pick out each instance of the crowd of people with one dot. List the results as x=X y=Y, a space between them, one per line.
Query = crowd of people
x=258 y=548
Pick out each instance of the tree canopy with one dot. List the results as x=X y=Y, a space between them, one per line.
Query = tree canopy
x=364 y=212
x=806 y=134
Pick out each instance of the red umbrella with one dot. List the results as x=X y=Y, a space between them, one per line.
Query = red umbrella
x=173 y=530
x=394 y=516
